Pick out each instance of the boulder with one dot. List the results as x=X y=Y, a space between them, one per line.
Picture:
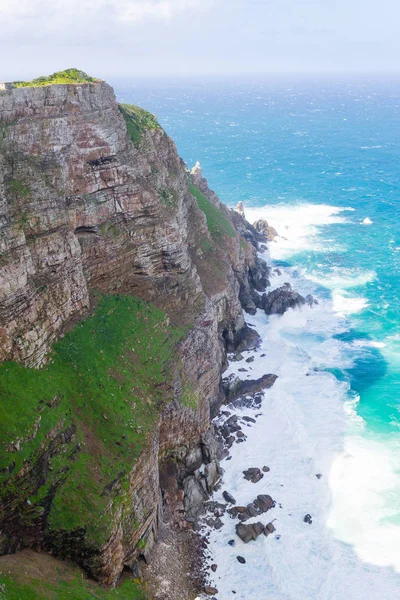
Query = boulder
x=253 y=474
x=210 y=591
x=270 y=528
x=249 y=419
x=228 y=497
x=263 y=503
x=308 y=519
x=195 y=496
x=249 y=532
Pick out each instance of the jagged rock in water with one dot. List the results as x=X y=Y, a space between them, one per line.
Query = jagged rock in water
x=253 y=474
x=235 y=387
x=267 y=231
x=247 y=533
x=270 y=528
x=310 y=300
x=278 y=301
x=264 y=502
x=228 y=497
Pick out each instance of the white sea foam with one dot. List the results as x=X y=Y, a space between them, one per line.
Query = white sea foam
x=367 y=221
x=298 y=226
x=309 y=425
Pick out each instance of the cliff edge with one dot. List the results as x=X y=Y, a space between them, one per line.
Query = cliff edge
x=122 y=279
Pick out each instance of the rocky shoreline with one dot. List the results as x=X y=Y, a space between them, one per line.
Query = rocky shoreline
x=195 y=512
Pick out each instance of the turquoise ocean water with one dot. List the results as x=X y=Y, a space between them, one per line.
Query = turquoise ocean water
x=294 y=148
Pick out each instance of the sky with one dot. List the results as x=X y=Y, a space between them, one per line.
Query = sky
x=198 y=37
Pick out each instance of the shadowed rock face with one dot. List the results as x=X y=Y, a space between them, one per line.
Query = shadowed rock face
x=85 y=208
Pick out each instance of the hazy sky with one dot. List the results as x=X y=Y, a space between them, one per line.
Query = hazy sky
x=117 y=37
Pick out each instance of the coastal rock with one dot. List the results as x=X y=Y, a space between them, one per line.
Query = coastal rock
x=269 y=528
x=308 y=519
x=210 y=591
x=195 y=497
x=228 y=497
x=264 y=503
x=253 y=474
x=281 y=299
x=247 y=533
x=267 y=231
x=235 y=387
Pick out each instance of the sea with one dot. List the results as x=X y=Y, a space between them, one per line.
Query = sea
x=319 y=158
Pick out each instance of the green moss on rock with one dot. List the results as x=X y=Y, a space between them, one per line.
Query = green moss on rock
x=217 y=223
x=137 y=121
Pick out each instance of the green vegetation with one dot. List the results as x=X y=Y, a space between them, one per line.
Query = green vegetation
x=169 y=197
x=63 y=582
x=108 y=378
x=63 y=77
x=218 y=225
x=76 y=589
x=17 y=190
x=137 y=121
x=190 y=398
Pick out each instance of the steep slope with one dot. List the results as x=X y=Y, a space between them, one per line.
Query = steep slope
x=98 y=211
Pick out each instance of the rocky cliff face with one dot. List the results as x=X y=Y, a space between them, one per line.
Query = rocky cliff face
x=94 y=199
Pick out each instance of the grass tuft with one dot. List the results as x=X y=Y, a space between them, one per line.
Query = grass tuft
x=61 y=77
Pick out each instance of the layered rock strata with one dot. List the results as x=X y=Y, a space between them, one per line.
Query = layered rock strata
x=94 y=199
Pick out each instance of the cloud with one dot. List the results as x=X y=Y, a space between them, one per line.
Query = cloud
x=55 y=12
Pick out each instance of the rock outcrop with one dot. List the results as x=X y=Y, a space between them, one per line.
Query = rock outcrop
x=94 y=200
x=267 y=231
x=281 y=299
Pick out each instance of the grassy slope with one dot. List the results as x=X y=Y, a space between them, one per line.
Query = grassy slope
x=109 y=377
x=31 y=576
x=137 y=121
x=63 y=77
x=218 y=225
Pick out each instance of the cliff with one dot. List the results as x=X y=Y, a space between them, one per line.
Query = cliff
x=121 y=281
